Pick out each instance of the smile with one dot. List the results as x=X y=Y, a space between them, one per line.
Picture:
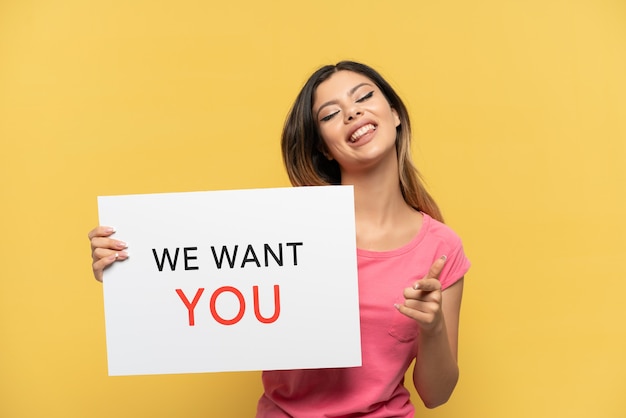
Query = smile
x=362 y=131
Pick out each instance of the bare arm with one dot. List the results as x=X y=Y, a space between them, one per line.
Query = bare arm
x=436 y=370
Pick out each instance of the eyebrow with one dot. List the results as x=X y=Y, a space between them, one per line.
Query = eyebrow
x=350 y=93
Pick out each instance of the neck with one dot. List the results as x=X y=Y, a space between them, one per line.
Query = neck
x=377 y=193
x=383 y=218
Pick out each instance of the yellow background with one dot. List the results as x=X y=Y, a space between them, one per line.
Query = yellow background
x=519 y=110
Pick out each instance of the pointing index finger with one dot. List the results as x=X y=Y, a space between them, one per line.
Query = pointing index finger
x=435 y=269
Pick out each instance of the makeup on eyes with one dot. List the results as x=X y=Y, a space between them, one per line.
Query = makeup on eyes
x=359 y=100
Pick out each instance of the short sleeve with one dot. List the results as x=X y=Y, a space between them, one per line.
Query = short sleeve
x=457 y=263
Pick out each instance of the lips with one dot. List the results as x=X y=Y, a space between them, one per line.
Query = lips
x=363 y=130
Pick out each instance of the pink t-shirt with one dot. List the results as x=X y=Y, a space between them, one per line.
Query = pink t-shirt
x=376 y=389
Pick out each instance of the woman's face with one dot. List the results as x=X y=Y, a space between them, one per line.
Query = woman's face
x=356 y=122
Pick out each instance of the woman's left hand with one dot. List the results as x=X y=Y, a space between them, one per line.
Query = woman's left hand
x=422 y=302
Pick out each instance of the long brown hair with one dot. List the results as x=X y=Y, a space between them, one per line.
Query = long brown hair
x=302 y=145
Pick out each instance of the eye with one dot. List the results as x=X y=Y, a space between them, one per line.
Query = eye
x=329 y=117
x=367 y=96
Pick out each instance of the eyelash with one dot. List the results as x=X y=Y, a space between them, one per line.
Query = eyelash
x=329 y=117
x=362 y=99
x=367 y=96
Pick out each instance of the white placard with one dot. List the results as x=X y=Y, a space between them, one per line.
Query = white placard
x=262 y=279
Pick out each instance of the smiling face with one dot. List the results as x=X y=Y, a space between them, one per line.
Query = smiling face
x=355 y=121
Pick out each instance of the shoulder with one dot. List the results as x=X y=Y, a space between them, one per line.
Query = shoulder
x=439 y=239
x=439 y=232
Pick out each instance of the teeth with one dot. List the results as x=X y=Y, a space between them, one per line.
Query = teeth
x=362 y=131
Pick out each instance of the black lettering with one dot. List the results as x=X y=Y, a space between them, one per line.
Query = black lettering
x=189 y=257
x=295 y=248
x=250 y=258
x=166 y=254
x=231 y=262
x=279 y=259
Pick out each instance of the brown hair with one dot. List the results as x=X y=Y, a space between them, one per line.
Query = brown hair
x=302 y=145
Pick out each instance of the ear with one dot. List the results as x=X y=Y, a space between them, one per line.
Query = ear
x=395 y=117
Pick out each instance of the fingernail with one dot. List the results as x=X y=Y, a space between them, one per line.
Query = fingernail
x=416 y=286
x=397 y=306
x=110 y=229
x=444 y=258
x=122 y=244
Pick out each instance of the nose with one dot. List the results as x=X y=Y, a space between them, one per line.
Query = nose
x=352 y=114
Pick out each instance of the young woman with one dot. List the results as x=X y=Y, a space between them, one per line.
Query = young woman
x=348 y=126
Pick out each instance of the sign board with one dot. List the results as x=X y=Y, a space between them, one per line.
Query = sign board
x=262 y=279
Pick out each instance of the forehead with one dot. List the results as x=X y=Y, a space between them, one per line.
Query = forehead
x=339 y=85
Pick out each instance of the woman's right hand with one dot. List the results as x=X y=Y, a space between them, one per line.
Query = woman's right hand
x=105 y=250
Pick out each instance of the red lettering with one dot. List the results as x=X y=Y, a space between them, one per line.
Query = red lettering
x=242 y=305
x=257 y=310
x=190 y=306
